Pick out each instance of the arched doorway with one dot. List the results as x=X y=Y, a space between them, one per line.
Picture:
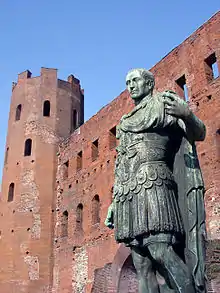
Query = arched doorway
x=128 y=278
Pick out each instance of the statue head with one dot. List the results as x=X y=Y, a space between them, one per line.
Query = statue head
x=140 y=83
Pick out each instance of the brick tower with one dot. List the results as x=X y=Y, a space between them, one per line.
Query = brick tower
x=44 y=110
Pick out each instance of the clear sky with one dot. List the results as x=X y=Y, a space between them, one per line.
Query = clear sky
x=98 y=41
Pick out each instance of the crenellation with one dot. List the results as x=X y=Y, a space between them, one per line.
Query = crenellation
x=24 y=75
x=73 y=80
x=13 y=85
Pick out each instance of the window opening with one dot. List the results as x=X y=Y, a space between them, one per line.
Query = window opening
x=182 y=90
x=64 y=224
x=18 y=113
x=79 y=161
x=74 y=122
x=79 y=216
x=46 y=109
x=66 y=169
x=11 y=192
x=112 y=138
x=95 y=149
x=211 y=67
x=27 y=147
x=95 y=210
x=6 y=155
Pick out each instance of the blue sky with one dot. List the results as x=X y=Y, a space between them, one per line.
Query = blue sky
x=98 y=41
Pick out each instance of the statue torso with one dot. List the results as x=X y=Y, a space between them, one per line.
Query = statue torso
x=146 y=151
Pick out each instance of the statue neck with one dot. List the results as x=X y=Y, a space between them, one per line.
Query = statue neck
x=143 y=100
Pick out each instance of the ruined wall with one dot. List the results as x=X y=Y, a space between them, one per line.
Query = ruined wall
x=189 y=59
x=84 y=249
x=27 y=211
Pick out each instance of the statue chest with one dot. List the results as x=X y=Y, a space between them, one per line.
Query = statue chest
x=145 y=157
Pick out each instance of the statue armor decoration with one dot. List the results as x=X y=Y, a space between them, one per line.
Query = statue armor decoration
x=158 y=206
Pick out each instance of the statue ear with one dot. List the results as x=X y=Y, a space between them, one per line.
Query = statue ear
x=150 y=83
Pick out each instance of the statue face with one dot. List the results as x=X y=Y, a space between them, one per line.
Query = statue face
x=137 y=85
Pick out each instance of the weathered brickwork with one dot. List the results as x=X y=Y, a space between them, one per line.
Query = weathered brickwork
x=52 y=233
x=89 y=172
x=27 y=215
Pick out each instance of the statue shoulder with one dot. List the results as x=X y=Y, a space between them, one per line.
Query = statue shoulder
x=158 y=97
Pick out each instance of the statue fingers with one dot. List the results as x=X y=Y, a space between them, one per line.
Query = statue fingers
x=106 y=222
x=167 y=101
x=170 y=95
x=168 y=107
x=173 y=97
x=109 y=224
x=170 y=91
x=171 y=111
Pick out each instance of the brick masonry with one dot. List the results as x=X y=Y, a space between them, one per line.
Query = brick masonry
x=64 y=194
x=27 y=221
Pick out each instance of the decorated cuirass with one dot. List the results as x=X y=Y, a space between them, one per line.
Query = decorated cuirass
x=146 y=151
x=143 y=159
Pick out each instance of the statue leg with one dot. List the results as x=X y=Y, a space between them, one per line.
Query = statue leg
x=147 y=282
x=172 y=267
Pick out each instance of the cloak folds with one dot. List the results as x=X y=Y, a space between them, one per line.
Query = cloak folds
x=187 y=174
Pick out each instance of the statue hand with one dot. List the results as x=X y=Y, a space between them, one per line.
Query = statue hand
x=175 y=106
x=109 y=221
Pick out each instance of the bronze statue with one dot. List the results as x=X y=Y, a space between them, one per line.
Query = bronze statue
x=158 y=207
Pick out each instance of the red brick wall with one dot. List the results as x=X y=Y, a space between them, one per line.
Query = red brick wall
x=84 y=254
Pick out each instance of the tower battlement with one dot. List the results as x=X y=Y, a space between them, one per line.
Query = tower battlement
x=26 y=76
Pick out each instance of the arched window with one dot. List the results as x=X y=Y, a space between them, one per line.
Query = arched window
x=46 y=109
x=27 y=147
x=74 y=122
x=11 y=192
x=18 y=113
x=64 y=224
x=79 y=216
x=95 y=210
